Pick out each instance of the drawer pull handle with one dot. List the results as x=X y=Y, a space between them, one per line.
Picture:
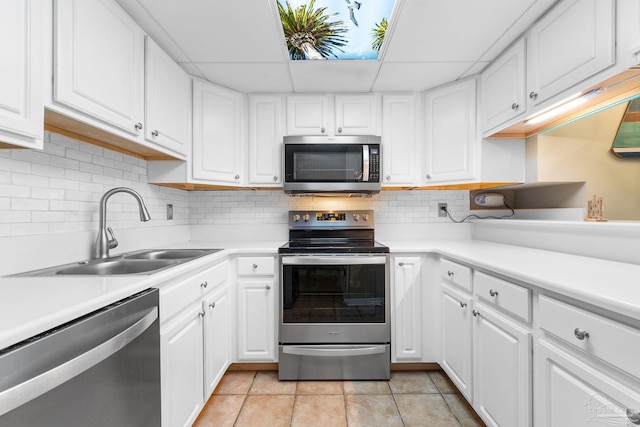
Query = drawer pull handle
x=201 y=313
x=401 y=263
x=212 y=305
x=255 y=266
x=476 y=313
x=267 y=287
x=533 y=95
x=633 y=416
x=450 y=273
x=463 y=304
x=493 y=293
x=580 y=334
x=514 y=106
x=204 y=284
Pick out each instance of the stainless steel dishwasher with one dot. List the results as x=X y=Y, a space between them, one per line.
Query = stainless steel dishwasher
x=102 y=369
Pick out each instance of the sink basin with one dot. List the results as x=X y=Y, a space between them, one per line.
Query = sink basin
x=118 y=266
x=163 y=254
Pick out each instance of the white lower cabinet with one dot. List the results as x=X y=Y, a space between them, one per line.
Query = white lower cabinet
x=502 y=369
x=181 y=352
x=256 y=322
x=406 y=334
x=194 y=342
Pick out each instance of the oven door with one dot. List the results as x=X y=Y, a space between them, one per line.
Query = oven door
x=334 y=299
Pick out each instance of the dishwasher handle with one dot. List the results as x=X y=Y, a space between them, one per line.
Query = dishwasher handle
x=22 y=393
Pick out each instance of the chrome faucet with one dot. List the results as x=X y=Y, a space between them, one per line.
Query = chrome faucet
x=104 y=242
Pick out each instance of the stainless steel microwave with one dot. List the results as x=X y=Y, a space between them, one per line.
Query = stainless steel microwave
x=346 y=164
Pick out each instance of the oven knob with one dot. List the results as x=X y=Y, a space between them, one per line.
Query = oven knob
x=356 y=217
x=296 y=217
x=365 y=217
x=306 y=217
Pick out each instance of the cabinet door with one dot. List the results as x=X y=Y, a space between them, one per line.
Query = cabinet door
x=168 y=100
x=502 y=370
x=265 y=139
x=181 y=357
x=570 y=392
x=217 y=327
x=100 y=62
x=21 y=106
x=456 y=339
x=256 y=321
x=357 y=114
x=308 y=115
x=398 y=140
x=451 y=132
x=571 y=43
x=407 y=304
x=503 y=87
x=217 y=133
x=628 y=25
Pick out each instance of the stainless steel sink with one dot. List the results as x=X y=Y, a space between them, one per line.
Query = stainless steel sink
x=142 y=262
x=165 y=254
x=118 y=266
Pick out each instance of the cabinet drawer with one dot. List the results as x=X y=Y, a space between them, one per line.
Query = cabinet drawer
x=256 y=266
x=455 y=273
x=174 y=298
x=604 y=338
x=511 y=298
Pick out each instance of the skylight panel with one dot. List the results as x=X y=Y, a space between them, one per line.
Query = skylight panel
x=334 y=29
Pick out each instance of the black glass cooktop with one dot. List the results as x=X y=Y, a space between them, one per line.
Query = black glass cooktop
x=329 y=246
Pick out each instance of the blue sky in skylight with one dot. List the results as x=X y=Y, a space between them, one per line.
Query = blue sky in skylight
x=360 y=36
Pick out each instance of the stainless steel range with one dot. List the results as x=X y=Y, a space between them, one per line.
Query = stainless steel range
x=334 y=298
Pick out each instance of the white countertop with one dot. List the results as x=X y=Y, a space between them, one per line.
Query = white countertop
x=31 y=305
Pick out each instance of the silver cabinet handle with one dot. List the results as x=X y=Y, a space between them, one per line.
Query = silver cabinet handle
x=275 y=178
x=401 y=263
x=267 y=287
x=533 y=95
x=633 y=416
x=201 y=313
x=154 y=133
x=139 y=126
x=236 y=177
x=428 y=176
x=493 y=293
x=255 y=266
x=340 y=130
x=450 y=273
x=580 y=334
x=322 y=130
x=212 y=305
x=388 y=177
x=204 y=284
x=514 y=106
x=39 y=385
x=475 y=313
x=463 y=304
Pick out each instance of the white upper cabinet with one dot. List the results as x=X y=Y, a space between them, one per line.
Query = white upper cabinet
x=333 y=115
x=265 y=140
x=357 y=114
x=308 y=115
x=628 y=24
x=451 y=132
x=571 y=43
x=168 y=101
x=218 y=141
x=21 y=105
x=399 y=160
x=503 y=87
x=99 y=66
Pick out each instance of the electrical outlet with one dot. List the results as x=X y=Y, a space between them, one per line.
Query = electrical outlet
x=442 y=209
x=169 y=211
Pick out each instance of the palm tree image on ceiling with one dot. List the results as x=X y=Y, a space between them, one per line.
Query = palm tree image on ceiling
x=334 y=29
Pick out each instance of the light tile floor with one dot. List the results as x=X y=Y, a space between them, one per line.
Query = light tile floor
x=410 y=398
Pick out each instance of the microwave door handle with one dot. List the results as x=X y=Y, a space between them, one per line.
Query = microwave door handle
x=365 y=163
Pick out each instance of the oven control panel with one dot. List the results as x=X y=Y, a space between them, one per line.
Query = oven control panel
x=331 y=219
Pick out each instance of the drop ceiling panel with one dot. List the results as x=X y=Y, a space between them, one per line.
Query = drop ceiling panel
x=417 y=76
x=455 y=30
x=221 y=30
x=248 y=78
x=333 y=76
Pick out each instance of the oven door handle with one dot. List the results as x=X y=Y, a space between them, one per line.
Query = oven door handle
x=332 y=260
x=328 y=351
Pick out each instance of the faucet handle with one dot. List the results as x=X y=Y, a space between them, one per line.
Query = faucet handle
x=112 y=242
